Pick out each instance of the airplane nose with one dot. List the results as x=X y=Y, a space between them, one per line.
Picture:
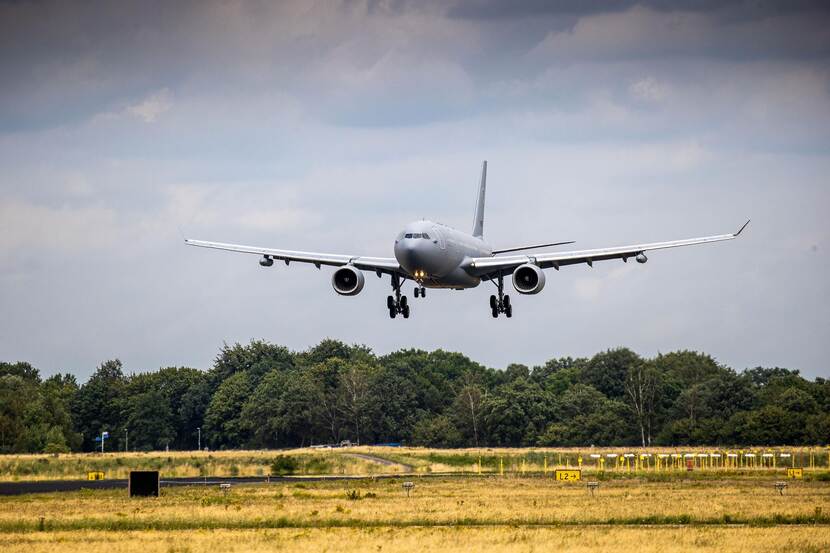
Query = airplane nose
x=410 y=255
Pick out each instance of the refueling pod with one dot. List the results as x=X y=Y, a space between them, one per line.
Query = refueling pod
x=347 y=281
x=528 y=279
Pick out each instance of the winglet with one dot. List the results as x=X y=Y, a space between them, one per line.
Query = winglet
x=740 y=230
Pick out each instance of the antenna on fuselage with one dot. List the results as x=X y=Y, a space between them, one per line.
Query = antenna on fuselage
x=478 y=222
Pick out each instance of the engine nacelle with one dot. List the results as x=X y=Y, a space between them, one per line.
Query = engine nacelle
x=347 y=281
x=641 y=258
x=266 y=261
x=528 y=279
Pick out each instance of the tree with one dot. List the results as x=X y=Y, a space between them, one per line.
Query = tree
x=149 y=420
x=641 y=385
x=437 y=431
x=607 y=371
x=97 y=405
x=468 y=407
x=224 y=427
x=353 y=394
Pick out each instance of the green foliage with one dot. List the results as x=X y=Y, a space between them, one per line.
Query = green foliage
x=284 y=464
x=438 y=431
x=262 y=395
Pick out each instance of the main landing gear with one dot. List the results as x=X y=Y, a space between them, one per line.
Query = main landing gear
x=500 y=304
x=397 y=303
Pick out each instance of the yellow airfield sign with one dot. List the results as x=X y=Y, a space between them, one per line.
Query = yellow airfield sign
x=568 y=474
x=95 y=475
x=796 y=473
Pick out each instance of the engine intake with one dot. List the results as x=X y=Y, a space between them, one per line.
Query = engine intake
x=347 y=281
x=528 y=279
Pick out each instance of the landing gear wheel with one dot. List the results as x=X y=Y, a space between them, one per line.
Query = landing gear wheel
x=390 y=302
x=506 y=302
x=405 y=311
x=404 y=303
x=495 y=311
x=493 y=303
x=417 y=292
x=508 y=310
x=392 y=312
x=423 y=292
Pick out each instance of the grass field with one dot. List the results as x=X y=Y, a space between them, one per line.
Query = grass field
x=645 y=510
x=421 y=460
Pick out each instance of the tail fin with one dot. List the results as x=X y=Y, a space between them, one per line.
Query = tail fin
x=478 y=223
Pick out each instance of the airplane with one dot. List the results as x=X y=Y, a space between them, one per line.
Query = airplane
x=433 y=255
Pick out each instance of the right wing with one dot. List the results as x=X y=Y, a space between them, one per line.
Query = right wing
x=486 y=266
x=378 y=264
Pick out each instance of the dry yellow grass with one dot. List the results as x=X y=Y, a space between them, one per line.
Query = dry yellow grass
x=182 y=464
x=434 y=501
x=446 y=539
x=511 y=514
x=343 y=462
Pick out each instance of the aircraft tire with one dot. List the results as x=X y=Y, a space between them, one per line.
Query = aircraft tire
x=423 y=292
x=392 y=312
x=417 y=292
x=390 y=302
x=492 y=302
x=506 y=302
x=495 y=312
x=404 y=303
x=508 y=310
x=405 y=311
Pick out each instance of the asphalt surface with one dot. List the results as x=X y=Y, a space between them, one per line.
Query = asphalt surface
x=48 y=486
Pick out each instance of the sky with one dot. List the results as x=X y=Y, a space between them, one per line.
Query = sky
x=327 y=126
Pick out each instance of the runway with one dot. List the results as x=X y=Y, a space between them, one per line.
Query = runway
x=49 y=486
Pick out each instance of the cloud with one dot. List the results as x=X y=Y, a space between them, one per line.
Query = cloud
x=149 y=109
x=327 y=127
x=649 y=89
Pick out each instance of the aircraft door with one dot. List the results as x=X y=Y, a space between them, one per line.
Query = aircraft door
x=439 y=237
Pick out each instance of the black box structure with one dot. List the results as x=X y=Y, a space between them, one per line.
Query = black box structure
x=144 y=483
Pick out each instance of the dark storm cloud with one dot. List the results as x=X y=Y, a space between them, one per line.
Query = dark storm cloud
x=327 y=126
x=744 y=9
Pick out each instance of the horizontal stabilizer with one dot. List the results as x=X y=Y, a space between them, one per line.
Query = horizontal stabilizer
x=520 y=248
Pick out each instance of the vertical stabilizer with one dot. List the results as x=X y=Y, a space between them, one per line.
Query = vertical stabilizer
x=478 y=223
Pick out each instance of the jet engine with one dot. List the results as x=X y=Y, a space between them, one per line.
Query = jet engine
x=347 y=281
x=528 y=279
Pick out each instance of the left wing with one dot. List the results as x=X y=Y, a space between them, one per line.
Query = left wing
x=377 y=264
x=485 y=266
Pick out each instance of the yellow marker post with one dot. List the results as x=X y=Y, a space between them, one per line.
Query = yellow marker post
x=501 y=466
x=479 y=464
x=546 y=465
x=579 y=460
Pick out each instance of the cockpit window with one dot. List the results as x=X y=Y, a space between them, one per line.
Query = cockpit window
x=408 y=236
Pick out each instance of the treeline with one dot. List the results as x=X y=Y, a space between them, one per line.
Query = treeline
x=262 y=395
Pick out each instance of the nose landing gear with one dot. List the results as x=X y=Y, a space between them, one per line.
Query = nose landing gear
x=397 y=303
x=420 y=291
x=500 y=303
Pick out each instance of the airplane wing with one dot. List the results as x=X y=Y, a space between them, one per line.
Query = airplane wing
x=491 y=266
x=377 y=264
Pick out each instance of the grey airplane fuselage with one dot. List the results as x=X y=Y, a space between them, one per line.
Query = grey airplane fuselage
x=433 y=254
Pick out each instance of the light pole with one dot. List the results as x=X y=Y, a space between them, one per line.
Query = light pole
x=199 y=430
x=126 y=441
